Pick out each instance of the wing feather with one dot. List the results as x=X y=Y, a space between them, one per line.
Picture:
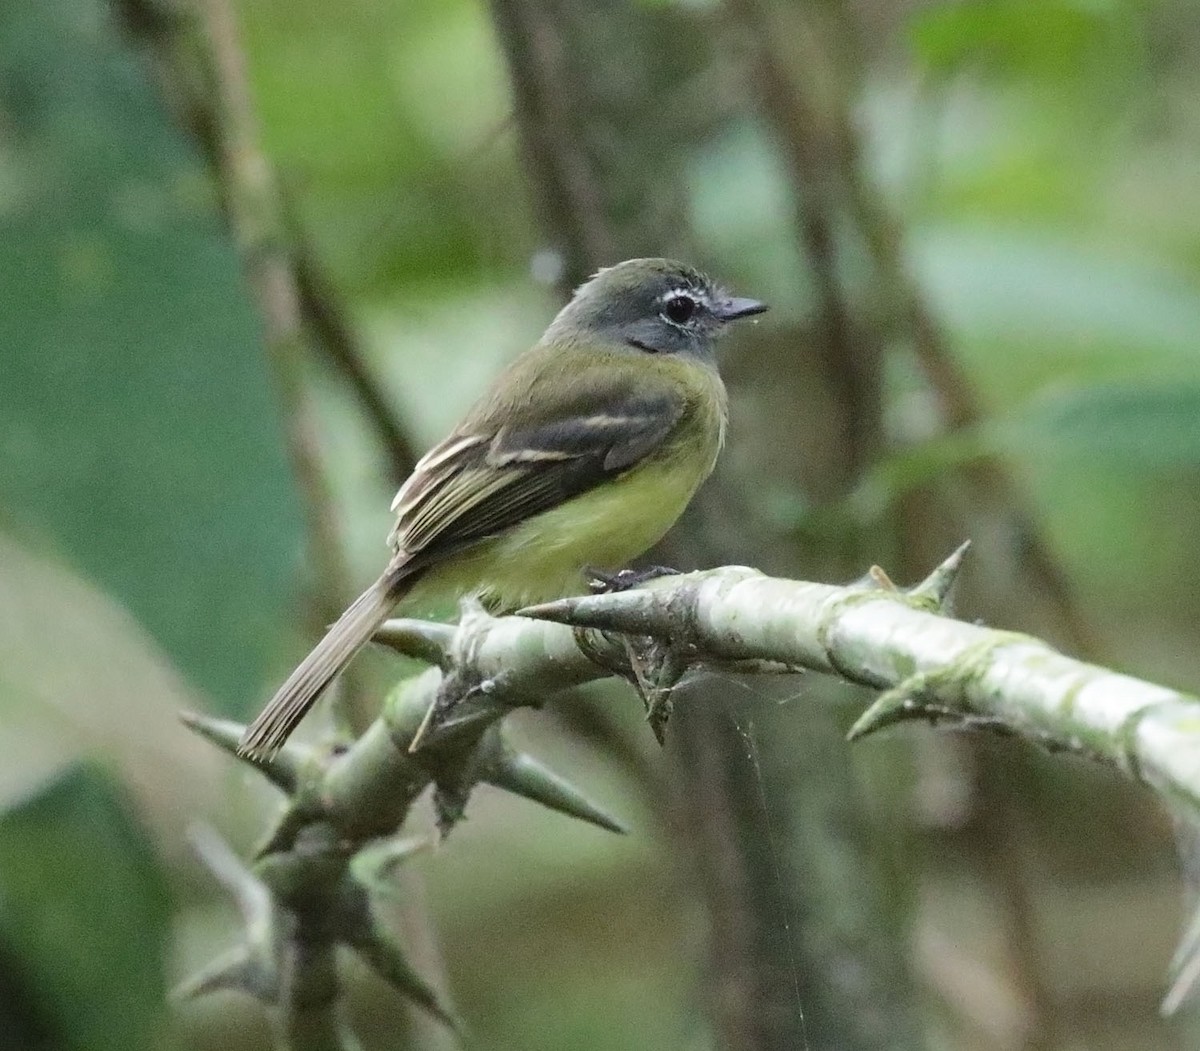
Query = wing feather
x=476 y=485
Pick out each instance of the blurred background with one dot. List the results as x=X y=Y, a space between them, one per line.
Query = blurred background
x=230 y=318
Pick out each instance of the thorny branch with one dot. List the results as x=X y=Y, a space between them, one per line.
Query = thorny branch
x=255 y=218
x=333 y=849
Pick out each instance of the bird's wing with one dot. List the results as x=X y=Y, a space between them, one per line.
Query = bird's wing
x=476 y=485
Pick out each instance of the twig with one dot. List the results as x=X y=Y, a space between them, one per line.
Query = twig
x=802 y=92
x=333 y=335
x=799 y=54
x=256 y=219
x=1043 y=578
x=165 y=31
x=601 y=160
x=931 y=667
x=571 y=198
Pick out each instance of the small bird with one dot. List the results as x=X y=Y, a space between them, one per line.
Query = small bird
x=582 y=454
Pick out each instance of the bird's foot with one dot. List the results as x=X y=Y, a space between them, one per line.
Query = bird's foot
x=601 y=582
x=653 y=666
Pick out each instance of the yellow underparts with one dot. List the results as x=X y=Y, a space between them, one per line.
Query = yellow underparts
x=605 y=528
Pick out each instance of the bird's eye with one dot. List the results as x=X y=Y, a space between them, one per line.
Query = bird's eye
x=680 y=308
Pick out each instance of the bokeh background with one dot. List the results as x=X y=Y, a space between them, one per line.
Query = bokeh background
x=978 y=225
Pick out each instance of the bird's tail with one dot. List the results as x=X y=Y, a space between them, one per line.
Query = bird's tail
x=350 y=632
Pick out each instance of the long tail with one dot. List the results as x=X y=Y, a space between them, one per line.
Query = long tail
x=352 y=630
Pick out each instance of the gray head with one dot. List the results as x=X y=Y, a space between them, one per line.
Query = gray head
x=654 y=306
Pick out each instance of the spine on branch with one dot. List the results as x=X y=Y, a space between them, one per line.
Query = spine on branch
x=313 y=880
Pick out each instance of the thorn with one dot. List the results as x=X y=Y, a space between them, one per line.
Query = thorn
x=525 y=776
x=907 y=702
x=282 y=835
x=454 y=725
x=656 y=670
x=658 y=714
x=936 y=587
x=345 y=1038
x=880 y=579
x=1183 y=985
x=425 y=640
x=384 y=956
x=1184 y=970
x=248 y=891
x=282 y=769
x=893 y=706
x=631 y=612
x=235 y=969
x=450 y=805
x=374 y=866
x=450 y=715
x=397 y=850
x=560 y=610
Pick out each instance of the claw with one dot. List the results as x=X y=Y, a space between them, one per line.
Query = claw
x=601 y=582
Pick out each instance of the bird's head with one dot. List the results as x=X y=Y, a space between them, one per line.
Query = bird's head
x=653 y=306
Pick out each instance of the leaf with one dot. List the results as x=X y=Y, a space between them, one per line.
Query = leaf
x=1146 y=426
x=1056 y=38
x=79 y=677
x=1027 y=308
x=1153 y=426
x=1028 y=286
x=140 y=436
x=83 y=915
x=906 y=469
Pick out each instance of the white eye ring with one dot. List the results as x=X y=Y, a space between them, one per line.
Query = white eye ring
x=679 y=307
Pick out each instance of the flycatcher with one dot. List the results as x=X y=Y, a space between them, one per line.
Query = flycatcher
x=583 y=453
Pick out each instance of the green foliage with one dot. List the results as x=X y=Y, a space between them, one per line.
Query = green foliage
x=1019 y=38
x=1030 y=307
x=139 y=435
x=83 y=919
x=393 y=145
x=1154 y=427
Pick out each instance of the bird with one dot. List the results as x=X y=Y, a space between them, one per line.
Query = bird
x=580 y=456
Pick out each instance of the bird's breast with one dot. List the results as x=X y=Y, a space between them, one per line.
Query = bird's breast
x=606 y=527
